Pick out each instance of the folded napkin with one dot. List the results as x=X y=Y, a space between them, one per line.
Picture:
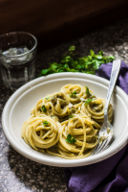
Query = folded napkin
x=110 y=175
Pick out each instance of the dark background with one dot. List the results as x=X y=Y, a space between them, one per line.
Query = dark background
x=57 y=21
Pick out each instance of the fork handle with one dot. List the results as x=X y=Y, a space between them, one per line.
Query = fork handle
x=114 y=74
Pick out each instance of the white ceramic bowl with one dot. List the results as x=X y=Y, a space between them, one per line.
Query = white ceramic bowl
x=18 y=107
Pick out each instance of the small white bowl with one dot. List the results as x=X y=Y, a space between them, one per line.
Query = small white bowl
x=18 y=107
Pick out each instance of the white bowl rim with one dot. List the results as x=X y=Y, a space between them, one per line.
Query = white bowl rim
x=61 y=163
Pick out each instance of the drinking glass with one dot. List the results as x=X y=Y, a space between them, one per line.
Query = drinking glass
x=17 y=58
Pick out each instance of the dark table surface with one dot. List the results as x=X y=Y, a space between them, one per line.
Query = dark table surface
x=18 y=174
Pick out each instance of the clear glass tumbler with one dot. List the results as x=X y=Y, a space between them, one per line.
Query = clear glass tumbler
x=17 y=58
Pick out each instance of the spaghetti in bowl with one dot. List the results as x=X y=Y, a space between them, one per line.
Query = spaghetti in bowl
x=17 y=111
x=66 y=123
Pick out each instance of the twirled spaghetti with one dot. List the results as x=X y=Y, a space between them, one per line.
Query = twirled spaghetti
x=66 y=123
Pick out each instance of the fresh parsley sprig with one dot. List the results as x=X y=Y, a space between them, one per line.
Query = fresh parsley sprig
x=45 y=123
x=71 y=63
x=43 y=108
x=88 y=101
x=88 y=92
x=70 y=139
x=70 y=116
x=73 y=94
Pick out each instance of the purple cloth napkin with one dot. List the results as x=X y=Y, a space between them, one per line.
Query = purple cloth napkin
x=110 y=175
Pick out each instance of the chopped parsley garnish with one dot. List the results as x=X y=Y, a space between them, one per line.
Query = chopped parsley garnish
x=70 y=116
x=45 y=123
x=70 y=139
x=44 y=108
x=71 y=62
x=88 y=92
x=47 y=98
x=73 y=94
x=87 y=101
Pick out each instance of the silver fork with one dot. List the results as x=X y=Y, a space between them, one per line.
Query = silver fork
x=106 y=135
